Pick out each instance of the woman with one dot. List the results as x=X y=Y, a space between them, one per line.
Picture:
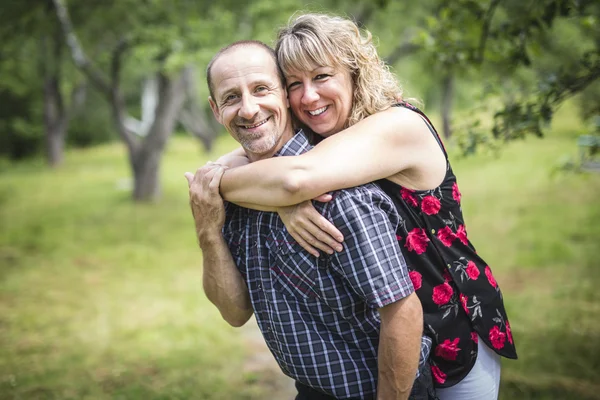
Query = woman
x=340 y=90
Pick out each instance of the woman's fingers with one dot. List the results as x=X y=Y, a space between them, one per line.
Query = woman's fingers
x=310 y=229
x=215 y=181
x=305 y=245
x=318 y=238
x=324 y=198
x=315 y=242
x=327 y=230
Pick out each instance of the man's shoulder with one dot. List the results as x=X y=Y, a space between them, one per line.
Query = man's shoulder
x=360 y=199
x=361 y=192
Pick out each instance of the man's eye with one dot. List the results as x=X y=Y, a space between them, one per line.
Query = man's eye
x=230 y=98
x=261 y=89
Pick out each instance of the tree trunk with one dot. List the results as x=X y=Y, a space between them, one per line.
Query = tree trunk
x=146 y=168
x=193 y=117
x=54 y=122
x=447 y=100
x=145 y=159
x=55 y=144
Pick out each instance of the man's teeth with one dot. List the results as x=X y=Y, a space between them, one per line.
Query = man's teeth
x=257 y=125
x=318 y=111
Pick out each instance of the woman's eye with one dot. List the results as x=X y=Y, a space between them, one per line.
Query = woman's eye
x=321 y=77
x=293 y=85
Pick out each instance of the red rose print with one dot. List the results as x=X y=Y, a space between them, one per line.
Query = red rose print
x=474 y=337
x=509 y=333
x=431 y=205
x=446 y=236
x=417 y=241
x=442 y=294
x=456 y=193
x=416 y=279
x=463 y=300
x=407 y=195
x=497 y=338
x=448 y=350
x=398 y=238
x=438 y=375
x=472 y=270
x=446 y=275
x=461 y=233
x=488 y=273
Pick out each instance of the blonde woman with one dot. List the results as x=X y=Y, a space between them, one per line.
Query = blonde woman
x=340 y=90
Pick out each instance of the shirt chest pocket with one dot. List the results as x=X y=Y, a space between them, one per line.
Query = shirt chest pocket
x=293 y=271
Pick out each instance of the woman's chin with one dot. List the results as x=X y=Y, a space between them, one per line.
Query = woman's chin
x=321 y=130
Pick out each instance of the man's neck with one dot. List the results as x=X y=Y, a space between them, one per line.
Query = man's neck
x=286 y=137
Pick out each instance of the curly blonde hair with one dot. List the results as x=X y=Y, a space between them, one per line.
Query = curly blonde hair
x=312 y=39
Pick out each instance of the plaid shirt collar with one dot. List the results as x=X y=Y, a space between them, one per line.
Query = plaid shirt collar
x=295 y=146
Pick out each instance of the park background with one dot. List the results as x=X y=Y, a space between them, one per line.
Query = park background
x=104 y=108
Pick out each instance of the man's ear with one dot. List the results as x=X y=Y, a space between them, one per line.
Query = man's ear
x=215 y=110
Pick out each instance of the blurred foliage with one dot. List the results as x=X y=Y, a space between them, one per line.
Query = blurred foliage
x=531 y=56
x=523 y=58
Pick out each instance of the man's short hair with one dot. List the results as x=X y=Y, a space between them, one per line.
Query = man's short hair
x=235 y=45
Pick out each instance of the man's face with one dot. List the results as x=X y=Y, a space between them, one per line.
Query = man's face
x=250 y=101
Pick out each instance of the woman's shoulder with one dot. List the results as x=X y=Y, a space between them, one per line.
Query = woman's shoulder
x=404 y=122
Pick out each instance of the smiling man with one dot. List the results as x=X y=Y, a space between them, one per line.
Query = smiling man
x=248 y=98
x=344 y=326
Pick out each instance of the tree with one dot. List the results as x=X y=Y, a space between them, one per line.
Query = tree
x=160 y=47
x=510 y=39
x=35 y=68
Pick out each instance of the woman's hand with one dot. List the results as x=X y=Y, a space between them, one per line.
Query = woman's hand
x=310 y=229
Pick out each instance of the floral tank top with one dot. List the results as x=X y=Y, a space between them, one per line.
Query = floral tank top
x=460 y=297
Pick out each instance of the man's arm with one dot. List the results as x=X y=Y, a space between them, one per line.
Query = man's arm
x=399 y=347
x=373 y=265
x=223 y=284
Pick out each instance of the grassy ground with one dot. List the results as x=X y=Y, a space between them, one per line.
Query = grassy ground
x=102 y=299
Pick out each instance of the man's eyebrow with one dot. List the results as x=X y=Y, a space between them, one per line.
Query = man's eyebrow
x=265 y=82
x=226 y=92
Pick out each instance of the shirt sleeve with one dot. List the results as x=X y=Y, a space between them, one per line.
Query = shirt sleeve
x=371 y=262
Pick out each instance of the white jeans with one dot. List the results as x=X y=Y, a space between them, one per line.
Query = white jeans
x=482 y=382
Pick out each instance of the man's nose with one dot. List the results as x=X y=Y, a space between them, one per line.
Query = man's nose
x=249 y=107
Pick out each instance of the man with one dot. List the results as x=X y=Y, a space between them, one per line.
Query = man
x=346 y=325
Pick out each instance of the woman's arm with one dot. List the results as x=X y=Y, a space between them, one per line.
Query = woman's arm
x=235 y=158
x=392 y=142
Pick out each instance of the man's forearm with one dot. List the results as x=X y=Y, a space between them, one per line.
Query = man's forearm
x=399 y=347
x=223 y=284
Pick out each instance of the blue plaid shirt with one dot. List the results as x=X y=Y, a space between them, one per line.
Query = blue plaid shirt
x=319 y=315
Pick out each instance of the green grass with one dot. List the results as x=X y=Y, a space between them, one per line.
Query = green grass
x=101 y=298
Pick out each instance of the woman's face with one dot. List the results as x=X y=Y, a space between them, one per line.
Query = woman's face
x=321 y=98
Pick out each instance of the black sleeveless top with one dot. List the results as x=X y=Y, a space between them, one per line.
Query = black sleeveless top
x=460 y=297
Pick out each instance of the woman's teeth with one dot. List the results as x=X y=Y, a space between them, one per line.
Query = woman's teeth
x=318 y=111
